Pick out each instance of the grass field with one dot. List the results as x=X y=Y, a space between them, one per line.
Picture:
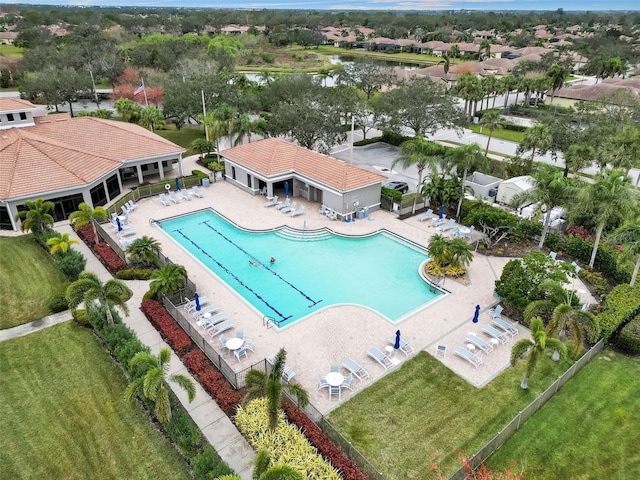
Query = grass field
x=182 y=137
x=589 y=430
x=424 y=414
x=10 y=51
x=62 y=413
x=498 y=133
x=29 y=279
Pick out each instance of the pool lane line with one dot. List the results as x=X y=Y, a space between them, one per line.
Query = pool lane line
x=258 y=296
x=313 y=302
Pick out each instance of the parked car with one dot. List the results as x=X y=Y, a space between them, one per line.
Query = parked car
x=532 y=100
x=401 y=187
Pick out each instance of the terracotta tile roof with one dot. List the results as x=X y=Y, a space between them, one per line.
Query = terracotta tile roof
x=11 y=104
x=61 y=152
x=274 y=156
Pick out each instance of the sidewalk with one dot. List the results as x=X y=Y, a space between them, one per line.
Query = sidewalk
x=217 y=428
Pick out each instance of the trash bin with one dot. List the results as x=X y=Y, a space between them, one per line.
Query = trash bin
x=360 y=214
x=205 y=182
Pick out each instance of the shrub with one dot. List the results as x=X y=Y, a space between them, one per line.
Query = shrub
x=71 y=264
x=169 y=328
x=81 y=318
x=212 y=380
x=596 y=280
x=58 y=303
x=393 y=138
x=395 y=194
x=109 y=258
x=619 y=306
x=182 y=431
x=367 y=141
x=123 y=343
x=267 y=57
x=207 y=464
x=134 y=274
x=628 y=340
x=199 y=173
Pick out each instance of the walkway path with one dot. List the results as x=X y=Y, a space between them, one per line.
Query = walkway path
x=218 y=429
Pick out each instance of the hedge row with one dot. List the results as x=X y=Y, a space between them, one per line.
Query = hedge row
x=212 y=380
x=323 y=443
x=628 y=340
x=105 y=253
x=169 y=328
x=619 y=306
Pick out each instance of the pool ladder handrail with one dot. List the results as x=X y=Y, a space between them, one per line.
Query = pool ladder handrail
x=269 y=321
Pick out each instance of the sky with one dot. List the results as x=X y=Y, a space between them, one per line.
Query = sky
x=526 y=5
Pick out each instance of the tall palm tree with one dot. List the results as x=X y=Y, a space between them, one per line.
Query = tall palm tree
x=60 y=243
x=509 y=82
x=537 y=137
x=537 y=347
x=629 y=236
x=418 y=152
x=88 y=216
x=89 y=288
x=167 y=279
x=610 y=197
x=242 y=127
x=577 y=157
x=492 y=121
x=550 y=189
x=145 y=250
x=153 y=385
x=151 y=118
x=270 y=385
x=467 y=157
x=37 y=217
x=557 y=74
x=460 y=251
x=562 y=308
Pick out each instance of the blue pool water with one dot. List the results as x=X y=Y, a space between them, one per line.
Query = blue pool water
x=379 y=272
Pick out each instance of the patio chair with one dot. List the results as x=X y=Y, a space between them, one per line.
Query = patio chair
x=190 y=306
x=288 y=374
x=380 y=357
x=186 y=195
x=164 y=201
x=473 y=359
x=456 y=232
x=406 y=347
x=284 y=204
x=219 y=328
x=486 y=347
x=240 y=334
x=496 y=311
x=347 y=382
x=510 y=328
x=353 y=367
x=425 y=216
x=297 y=211
x=323 y=209
x=126 y=241
x=334 y=368
x=249 y=345
x=335 y=391
x=470 y=233
x=436 y=222
x=127 y=232
x=210 y=322
x=263 y=190
x=239 y=353
x=499 y=335
x=174 y=198
x=196 y=191
x=290 y=207
x=447 y=226
x=197 y=314
x=131 y=205
x=272 y=202
x=124 y=209
x=441 y=351
x=322 y=382
x=223 y=342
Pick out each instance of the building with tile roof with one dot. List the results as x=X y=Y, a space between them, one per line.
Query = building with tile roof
x=272 y=162
x=73 y=160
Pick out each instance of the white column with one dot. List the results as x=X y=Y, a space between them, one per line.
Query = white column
x=180 y=166
x=139 y=171
x=161 y=170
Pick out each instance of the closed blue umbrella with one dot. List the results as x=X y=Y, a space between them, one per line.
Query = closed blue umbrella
x=286 y=189
x=177 y=183
x=476 y=315
x=441 y=214
x=397 y=344
x=197 y=299
x=118 y=224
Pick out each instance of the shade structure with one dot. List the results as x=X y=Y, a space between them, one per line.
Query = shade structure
x=196 y=297
x=177 y=183
x=397 y=344
x=286 y=189
x=476 y=315
x=441 y=214
x=118 y=224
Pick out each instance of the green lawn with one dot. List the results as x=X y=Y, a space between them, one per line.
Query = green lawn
x=182 y=137
x=28 y=278
x=10 y=51
x=498 y=133
x=390 y=57
x=62 y=413
x=589 y=430
x=424 y=414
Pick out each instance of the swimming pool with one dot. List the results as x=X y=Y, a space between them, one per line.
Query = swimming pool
x=311 y=271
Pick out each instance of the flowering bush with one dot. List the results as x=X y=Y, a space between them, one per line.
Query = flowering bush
x=323 y=443
x=212 y=380
x=105 y=253
x=170 y=330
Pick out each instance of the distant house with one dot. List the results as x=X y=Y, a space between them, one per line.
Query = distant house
x=72 y=160
x=512 y=187
x=8 y=38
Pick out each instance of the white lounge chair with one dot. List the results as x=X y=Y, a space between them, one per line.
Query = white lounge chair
x=219 y=328
x=131 y=205
x=462 y=352
x=209 y=322
x=190 y=306
x=510 y=328
x=284 y=204
x=164 y=201
x=196 y=191
x=126 y=241
x=297 y=211
x=380 y=357
x=486 y=347
x=174 y=198
x=406 y=347
x=499 y=335
x=356 y=369
x=425 y=216
x=263 y=191
x=272 y=202
x=289 y=208
x=436 y=222
x=288 y=374
x=203 y=311
x=447 y=226
x=186 y=195
x=127 y=232
x=496 y=311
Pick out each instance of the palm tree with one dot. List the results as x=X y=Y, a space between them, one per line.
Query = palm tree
x=151 y=118
x=60 y=243
x=89 y=288
x=145 y=250
x=87 y=215
x=418 y=152
x=550 y=189
x=438 y=249
x=577 y=157
x=509 y=82
x=485 y=50
x=492 y=121
x=270 y=385
x=167 y=279
x=467 y=157
x=629 y=236
x=242 y=127
x=562 y=307
x=263 y=470
x=36 y=218
x=460 y=252
x=153 y=386
x=557 y=74
x=447 y=63
x=537 y=137
x=610 y=197
x=541 y=343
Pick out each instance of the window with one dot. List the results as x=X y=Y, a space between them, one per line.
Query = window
x=10 y=117
x=113 y=187
x=233 y=172
x=249 y=180
x=98 y=195
x=23 y=116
